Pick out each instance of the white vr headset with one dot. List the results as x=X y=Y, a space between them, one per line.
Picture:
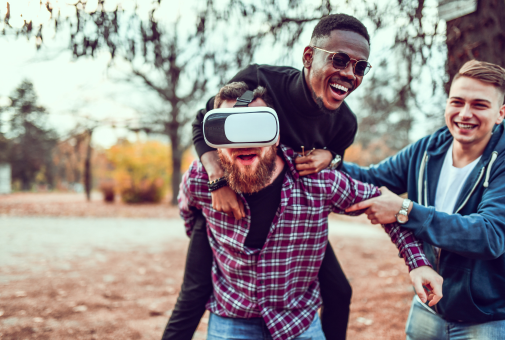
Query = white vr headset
x=241 y=126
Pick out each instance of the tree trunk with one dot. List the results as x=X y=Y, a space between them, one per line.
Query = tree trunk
x=176 y=173
x=479 y=35
x=87 y=168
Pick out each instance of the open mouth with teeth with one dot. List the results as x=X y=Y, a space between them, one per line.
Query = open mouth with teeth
x=338 y=89
x=465 y=126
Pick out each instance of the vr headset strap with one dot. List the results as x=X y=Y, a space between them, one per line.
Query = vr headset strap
x=245 y=99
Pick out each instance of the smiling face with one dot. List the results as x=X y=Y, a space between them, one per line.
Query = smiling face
x=328 y=85
x=248 y=170
x=472 y=110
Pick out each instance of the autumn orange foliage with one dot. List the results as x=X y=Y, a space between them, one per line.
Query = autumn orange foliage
x=142 y=170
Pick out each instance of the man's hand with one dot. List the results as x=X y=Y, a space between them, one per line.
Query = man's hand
x=428 y=284
x=224 y=199
x=314 y=162
x=381 y=209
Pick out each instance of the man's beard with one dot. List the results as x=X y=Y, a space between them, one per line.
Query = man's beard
x=320 y=104
x=243 y=181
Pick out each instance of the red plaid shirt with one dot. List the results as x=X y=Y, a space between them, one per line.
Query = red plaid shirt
x=279 y=282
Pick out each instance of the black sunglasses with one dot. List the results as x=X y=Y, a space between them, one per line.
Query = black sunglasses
x=341 y=60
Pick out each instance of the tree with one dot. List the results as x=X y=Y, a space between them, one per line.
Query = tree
x=30 y=141
x=478 y=35
x=174 y=62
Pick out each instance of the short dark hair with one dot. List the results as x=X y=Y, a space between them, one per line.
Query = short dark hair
x=342 y=22
x=486 y=72
x=234 y=90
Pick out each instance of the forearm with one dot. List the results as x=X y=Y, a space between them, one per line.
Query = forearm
x=480 y=235
x=201 y=146
x=212 y=165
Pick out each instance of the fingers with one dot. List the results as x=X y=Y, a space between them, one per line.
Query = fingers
x=242 y=209
x=236 y=212
x=225 y=200
x=360 y=206
x=303 y=159
x=436 y=289
x=418 y=287
x=305 y=166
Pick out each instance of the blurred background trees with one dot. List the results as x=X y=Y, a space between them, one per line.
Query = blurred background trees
x=184 y=59
x=27 y=141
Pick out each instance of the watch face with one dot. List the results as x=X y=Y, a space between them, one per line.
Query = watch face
x=335 y=162
x=402 y=218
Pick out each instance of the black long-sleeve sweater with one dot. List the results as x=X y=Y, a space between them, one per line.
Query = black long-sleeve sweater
x=302 y=122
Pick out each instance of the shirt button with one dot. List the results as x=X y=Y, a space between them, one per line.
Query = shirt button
x=261 y=282
x=262 y=256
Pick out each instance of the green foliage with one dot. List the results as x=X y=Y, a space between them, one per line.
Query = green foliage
x=29 y=142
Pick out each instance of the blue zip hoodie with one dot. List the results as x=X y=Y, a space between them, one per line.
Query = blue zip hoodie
x=472 y=240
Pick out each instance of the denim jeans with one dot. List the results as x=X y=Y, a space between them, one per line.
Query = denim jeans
x=425 y=325
x=221 y=328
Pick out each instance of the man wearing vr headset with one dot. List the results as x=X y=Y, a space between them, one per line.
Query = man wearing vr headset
x=313 y=114
x=265 y=268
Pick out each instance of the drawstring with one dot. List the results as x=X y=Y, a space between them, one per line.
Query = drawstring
x=488 y=172
x=420 y=181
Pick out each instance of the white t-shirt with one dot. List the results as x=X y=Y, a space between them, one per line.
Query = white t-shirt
x=450 y=183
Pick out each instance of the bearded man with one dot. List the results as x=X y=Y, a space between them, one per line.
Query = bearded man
x=265 y=266
x=310 y=104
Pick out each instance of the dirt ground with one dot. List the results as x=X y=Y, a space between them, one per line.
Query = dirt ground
x=130 y=295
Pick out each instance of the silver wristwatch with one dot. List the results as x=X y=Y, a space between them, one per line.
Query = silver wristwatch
x=403 y=215
x=335 y=162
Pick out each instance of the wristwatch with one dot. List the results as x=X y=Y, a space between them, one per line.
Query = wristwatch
x=335 y=162
x=403 y=215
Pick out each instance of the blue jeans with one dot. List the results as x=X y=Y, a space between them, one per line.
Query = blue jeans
x=425 y=325
x=221 y=328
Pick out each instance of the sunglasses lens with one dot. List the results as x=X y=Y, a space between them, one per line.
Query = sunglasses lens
x=362 y=68
x=340 y=60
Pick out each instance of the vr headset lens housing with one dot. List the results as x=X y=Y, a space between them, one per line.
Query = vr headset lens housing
x=243 y=127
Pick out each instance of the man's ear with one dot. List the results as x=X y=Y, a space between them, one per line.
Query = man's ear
x=308 y=54
x=278 y=140
x=501 y=114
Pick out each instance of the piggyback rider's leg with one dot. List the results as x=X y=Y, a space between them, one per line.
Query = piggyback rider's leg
x=196 y=286
x=336 y=293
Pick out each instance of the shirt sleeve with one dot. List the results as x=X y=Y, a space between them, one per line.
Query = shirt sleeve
x=345 y=191
x=410 y=248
